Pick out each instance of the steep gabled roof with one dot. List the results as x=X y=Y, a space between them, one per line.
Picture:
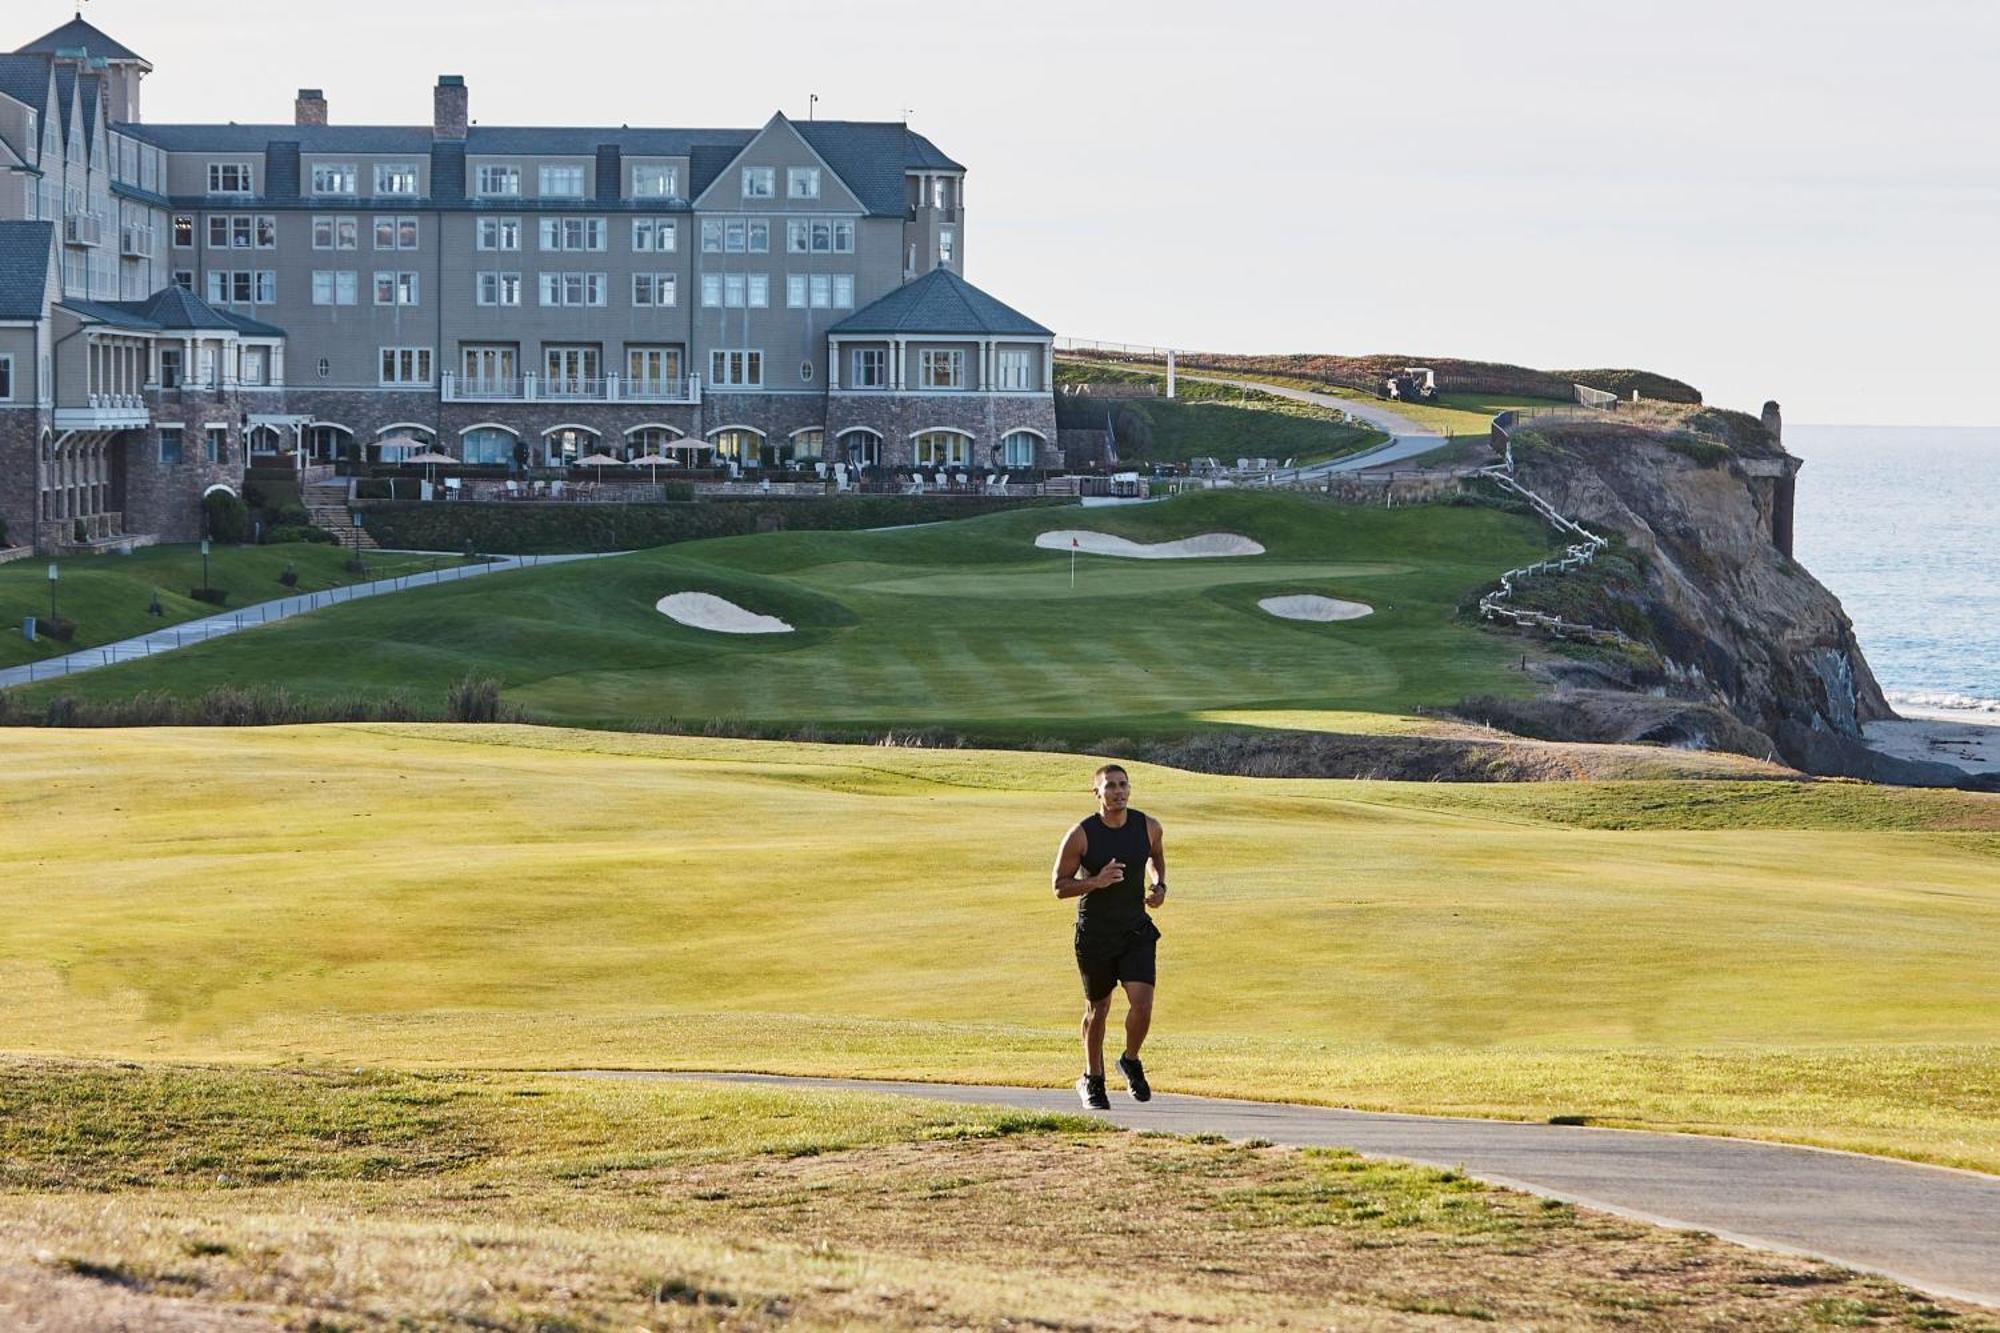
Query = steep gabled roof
x=940 y=302
x=24 y=267
x=77 y=33
x=26 y=79
x=871 y=156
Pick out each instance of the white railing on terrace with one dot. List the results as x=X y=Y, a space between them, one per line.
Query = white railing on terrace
x=566 y=389
x=111 y=402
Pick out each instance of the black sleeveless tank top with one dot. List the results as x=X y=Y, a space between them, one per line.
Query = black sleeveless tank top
x=1119 y=907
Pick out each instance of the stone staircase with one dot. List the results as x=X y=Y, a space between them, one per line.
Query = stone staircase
x=327 y=503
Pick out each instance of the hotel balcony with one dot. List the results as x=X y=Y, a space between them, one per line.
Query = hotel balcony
x=106 y=411
x=83 y=229
x=564 y=389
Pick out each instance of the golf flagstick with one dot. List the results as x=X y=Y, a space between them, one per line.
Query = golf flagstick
x=1072 y=564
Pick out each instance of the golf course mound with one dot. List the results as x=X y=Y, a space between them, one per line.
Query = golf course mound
x=1201 y=546
x=1307 y=607
x=703 y=610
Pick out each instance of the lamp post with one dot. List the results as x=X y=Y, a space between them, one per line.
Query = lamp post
x=204 y=562
x=52 y=592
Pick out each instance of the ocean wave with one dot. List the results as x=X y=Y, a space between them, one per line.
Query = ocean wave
x=1958 y=703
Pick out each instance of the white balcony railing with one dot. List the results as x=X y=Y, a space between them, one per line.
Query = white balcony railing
x=567 y=389
x=83 y=229
x=105 y=411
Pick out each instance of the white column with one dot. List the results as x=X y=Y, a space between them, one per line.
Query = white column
x=832 y=364
x=1048 y=367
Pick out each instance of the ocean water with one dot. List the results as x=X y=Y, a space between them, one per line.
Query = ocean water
x=1903 y=524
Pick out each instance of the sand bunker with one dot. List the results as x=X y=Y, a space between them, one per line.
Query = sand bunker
x=1200 y=547
x=703 y=610
x=1314 y=608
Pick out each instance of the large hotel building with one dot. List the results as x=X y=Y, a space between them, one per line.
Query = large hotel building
x=179 y=300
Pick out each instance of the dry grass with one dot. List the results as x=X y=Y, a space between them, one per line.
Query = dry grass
x=562 y=1205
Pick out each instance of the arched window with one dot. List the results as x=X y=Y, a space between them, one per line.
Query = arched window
x=738 y=445
x=653 y=440
x=265 y=442
x=1019 y=448
x=566 y=444
x=943 y=448
x=487 y=444
x=808 y=446
x=860 y=447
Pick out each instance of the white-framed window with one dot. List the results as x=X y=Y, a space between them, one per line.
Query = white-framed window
x=802 y=182
x=267 y=232
x=242 y=286
x=843 y=291
x=230 y=178
x=183 y=278
x=489 y=365
x=572 y=233
x=242 y=231
x=1019 y=449
x=943 y=448
x=822 y=291
x=183 y=231
x=1011 y=368
x=395 y=233
x=573 y=289
x=654 y=289
x=711 y=289
x=652 y=369
x=654 y=236
x=760 y=236
x=795 y=291
x=760 y=290
x=6 y=377
x=406 y=365
x=395 y=178
x=486 y=444
x=760 y=182
x=173 y=444
x=652 y=182
x=808 y=446
x=735 y=287
x=264 y=290
x=941 y=368
x=570 y=368
x=497 y=234
x=745 y=236
x=396 y=288
x=736 y=367
x=333 y=287
x=333 y=232
x=335 y=178
x=498 y=180
x=711 y=236
x=562 y=182
x=215 y=443
x=947 y=245
x=497 y=288
x=868 y=368
x=820 y=236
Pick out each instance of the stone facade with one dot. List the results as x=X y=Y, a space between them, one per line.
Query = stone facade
x=20 y=429
x=987 y=418
x=164 y=498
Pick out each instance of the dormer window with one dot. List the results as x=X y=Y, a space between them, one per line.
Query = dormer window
x=802 y=182
x=229 y=178
x=562 y=182
x=760 y=182
x=395 y=178
x=502 y=181
x=655 y=182
x=334 y=178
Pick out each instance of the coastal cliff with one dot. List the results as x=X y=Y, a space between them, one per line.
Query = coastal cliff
x=1738 y=646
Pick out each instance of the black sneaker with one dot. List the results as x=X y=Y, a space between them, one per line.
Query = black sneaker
x=1135 y=1078
x=1090 y=1089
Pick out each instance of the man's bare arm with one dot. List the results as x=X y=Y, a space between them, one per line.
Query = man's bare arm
x=1157 y=857
x=1069 y=861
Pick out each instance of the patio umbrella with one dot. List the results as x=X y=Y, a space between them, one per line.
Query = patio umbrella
x=653 y=461
x=430 y=458
x=600 y=461
x=397 y=448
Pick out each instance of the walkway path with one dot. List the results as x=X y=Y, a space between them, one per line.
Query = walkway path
x=1928 y=1227
x=191 y=632
x=1406 y=440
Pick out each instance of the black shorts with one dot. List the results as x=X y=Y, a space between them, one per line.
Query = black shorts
x=1105 y=960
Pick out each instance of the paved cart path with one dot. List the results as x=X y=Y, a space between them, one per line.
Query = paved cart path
x=1928 y=1227
x=1406 y=438
x=191 y=632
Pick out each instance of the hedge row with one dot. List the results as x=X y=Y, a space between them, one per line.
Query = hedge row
x=549 y=529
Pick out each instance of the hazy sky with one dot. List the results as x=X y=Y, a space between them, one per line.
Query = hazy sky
x=1788 y=200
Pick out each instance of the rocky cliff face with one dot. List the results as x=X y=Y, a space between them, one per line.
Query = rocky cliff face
x=1701 y=501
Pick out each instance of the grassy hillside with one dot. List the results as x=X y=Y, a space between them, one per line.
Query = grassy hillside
x=161 y=1197
x=108 y=595
x=1208 y=420
x=966 y=626
x=1812 y=962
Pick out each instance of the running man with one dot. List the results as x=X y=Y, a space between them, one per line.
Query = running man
x=1102 y=865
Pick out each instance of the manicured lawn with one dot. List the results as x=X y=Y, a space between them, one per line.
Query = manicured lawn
x=1205 y=419
x=966 y=625
x=108 y=595
x=157 y=1196
x=1814 y=962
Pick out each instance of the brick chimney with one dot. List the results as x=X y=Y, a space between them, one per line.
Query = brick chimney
x=310 y=108
x=450 y=105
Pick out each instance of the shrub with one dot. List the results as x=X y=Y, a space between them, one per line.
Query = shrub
x=60 y=628
x=356 y=566
x=303 y=532
x=474 y=699
x=3 y=532
x=295 y=516
x=228 y=517
x=213 y=596
x=290 y=577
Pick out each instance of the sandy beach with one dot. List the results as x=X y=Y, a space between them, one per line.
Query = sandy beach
x=1970 y=740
